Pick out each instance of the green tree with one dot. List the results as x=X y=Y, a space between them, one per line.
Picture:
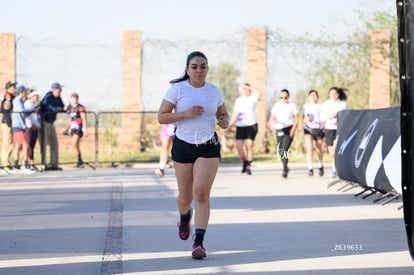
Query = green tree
x=348 y=64
x=225 y=77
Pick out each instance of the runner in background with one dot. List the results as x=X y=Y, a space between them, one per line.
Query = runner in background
x=313 y=131
x=245 y=118
x=284 y=119
x=77 y=126
x=329 y=112
x=166 y=137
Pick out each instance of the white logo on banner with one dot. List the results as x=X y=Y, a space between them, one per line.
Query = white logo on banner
x=345 y=143
x=374 y=164
x=392 y=165
x=363 y=145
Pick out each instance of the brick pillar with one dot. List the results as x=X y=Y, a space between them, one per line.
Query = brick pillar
x=256 y=76
x=7 y=59
x=380 y=79
x=131 y=91
x=131 y=71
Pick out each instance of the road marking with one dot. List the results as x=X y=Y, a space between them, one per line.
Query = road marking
x=112 y=256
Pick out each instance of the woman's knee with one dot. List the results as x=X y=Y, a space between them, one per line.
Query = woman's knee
x=184 y=200
x=201 y=195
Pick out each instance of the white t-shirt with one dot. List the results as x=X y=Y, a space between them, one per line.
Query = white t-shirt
x=33 y=117
x=314 y=112
x=330 y=107
x=195 y=130
x=245 y=106
x=284 y=113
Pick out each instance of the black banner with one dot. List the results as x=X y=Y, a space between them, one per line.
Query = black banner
x=368 y=149
x=405 y=12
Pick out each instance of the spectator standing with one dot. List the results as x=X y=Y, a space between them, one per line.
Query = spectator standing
x=284 y=119
x=50 y=105
x=19 y=129
x=77 y=126
x=194 y=105
x=33 y=125
x=6 y=127
x=313 y=131
x=245 y=118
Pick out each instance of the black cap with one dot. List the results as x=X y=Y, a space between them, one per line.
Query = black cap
x=11 y=84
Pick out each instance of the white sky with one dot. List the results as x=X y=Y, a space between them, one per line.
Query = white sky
x=79 y=19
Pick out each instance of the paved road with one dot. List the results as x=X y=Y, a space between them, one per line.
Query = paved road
x=123 y=221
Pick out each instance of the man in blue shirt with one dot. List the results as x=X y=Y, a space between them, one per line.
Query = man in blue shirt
x=50 y=105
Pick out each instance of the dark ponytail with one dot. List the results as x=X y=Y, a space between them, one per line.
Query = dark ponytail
x=341 y=92
x=189 y=57
x=342 y=95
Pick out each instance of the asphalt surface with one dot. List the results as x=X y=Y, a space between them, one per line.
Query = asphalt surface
x=123 y=221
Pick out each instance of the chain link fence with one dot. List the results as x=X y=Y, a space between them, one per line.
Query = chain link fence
x=93 y=70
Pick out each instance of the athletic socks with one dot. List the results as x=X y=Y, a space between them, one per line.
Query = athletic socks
x=162 y=165
x=185 y=217
x=199 y=237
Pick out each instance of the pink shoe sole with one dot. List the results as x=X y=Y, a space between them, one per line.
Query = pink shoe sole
x=184 y=228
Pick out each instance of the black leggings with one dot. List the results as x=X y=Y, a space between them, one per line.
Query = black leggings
x=283 y=143
x=32 y=134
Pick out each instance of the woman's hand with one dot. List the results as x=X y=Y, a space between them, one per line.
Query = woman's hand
x=223 y=122
x=196 y=110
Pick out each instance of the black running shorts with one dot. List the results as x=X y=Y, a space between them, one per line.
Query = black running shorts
x=184 y=152
x=246 y=132
x=330 y=136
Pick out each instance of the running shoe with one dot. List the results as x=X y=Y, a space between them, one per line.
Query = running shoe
x=6 y=170
x=334 y=174
x=26 y=170
x=245 y=163
x=310 y=172
x=184 y=227
x=248 y=170
x=13 y=170
x=160 y=172
x=80 y=164
x=53 y=168
x=285 y=173
x=321 y=171
x=199 y=252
